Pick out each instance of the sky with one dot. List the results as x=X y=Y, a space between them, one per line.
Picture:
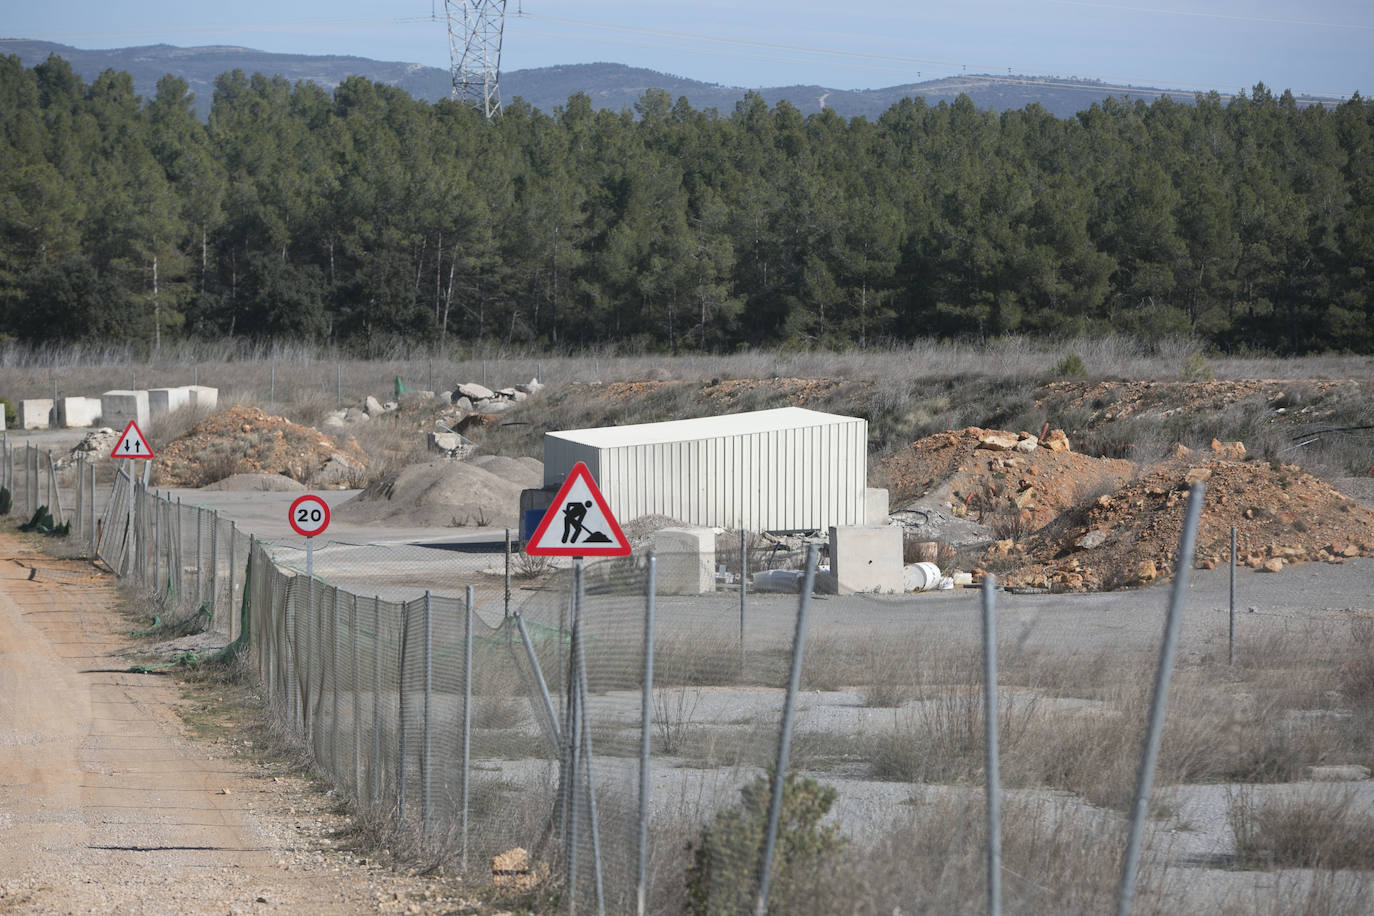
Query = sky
x=1319 y=47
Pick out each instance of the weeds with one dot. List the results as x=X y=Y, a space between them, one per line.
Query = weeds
x=1312 y=828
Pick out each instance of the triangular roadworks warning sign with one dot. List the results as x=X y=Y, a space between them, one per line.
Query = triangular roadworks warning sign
x=132 y=444
x=578 y=523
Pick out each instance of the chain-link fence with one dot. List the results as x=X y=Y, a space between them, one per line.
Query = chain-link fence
x=619 y=721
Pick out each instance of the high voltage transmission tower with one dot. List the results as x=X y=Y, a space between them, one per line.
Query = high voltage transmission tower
x=474 y=47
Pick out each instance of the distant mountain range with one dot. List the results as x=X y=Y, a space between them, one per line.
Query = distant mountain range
x=611 y=86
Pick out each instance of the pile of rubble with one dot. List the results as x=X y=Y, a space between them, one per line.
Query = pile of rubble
x=1015 y=481
x=1062 y=521
x=245 y=440
x=455 y=413
x=1282 y=516
x=98 y=443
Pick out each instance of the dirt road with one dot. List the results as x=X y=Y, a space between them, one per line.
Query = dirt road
x=107 y=806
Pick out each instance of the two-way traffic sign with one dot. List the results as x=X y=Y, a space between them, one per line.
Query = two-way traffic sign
x=578 y=523
x=132 y=444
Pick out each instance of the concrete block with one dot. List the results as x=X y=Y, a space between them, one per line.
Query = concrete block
x=119 y=406
x=166 y=400
x=35 y=413
x=77 y=413
x=867 y=559
x=201 y=396
x=875 y=506
x=686 y=560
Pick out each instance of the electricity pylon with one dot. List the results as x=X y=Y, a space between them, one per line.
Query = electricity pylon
x=474 y=47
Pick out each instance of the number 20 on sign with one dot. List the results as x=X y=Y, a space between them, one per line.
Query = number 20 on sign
x=309 y=516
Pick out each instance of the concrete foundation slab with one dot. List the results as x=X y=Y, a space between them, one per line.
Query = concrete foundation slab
x=199 y=396
x=119 y=406
x=686 y=560
x=77 y=413
x=867 y=559
x=35 y=413
x=165 y=400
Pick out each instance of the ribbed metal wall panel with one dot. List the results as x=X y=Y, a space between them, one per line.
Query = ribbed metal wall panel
x=806 y=476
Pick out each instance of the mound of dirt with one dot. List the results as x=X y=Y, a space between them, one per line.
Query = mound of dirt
x=244 y=440
x=437 y=494
x=525 y=471
x=257 y=483
x=1001 y=479
x=1069 y=522
x=1282 y=516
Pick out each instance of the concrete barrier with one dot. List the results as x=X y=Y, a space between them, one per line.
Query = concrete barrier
x=35 y=413
x=867 y=559
x=686 y=560
x=876 y=502
x=199 y=396
x=77 y=413
x=119 y=406
x=165 y=400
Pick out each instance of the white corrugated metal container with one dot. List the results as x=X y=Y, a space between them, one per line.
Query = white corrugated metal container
x=788 y=469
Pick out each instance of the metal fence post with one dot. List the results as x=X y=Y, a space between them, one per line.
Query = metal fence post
x=743 y=587
x=1231 y=619
x=425 y=758
x=91 y=509
x=214 y=562
x=1158 y=703
x=233 y=536
x=180 y=563
x=508 y=552
x=991 y=764
x=334 y=688
x=200 y=587
x=770 y=837
x=646 y=714
x=375 y=770
x=467 y=716
x=570 y=751
x=357 y=701
x=79 y=509
x=401 y=691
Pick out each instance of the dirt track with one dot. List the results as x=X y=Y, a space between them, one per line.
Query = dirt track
x=106 y=805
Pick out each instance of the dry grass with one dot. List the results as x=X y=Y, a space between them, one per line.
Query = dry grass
x=1319 y=827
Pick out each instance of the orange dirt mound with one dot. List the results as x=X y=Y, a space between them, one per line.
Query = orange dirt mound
x=1282 y=516
x=244 y=440
x=1003 y=487
x=1069 y=522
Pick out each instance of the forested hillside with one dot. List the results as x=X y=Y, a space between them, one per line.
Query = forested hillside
x=370 y=216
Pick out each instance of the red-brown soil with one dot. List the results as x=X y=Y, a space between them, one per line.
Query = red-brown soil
x=1067 y=522
x=244 y=440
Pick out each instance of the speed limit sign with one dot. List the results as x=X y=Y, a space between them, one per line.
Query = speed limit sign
x=309 y=515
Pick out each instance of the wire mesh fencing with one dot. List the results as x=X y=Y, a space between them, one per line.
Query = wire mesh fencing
x=622 y=722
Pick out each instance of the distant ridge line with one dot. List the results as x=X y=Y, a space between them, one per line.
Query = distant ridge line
x=609 y=86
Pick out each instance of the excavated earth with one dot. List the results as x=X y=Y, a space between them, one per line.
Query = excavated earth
x=1062 y=521
x=245 y=440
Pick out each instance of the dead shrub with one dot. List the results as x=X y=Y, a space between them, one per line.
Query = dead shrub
x=1315 y=828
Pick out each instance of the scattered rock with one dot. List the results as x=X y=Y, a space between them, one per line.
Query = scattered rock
x=474 y=392
x=997 y=441
x=1146 y=572
x=1057 y=441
